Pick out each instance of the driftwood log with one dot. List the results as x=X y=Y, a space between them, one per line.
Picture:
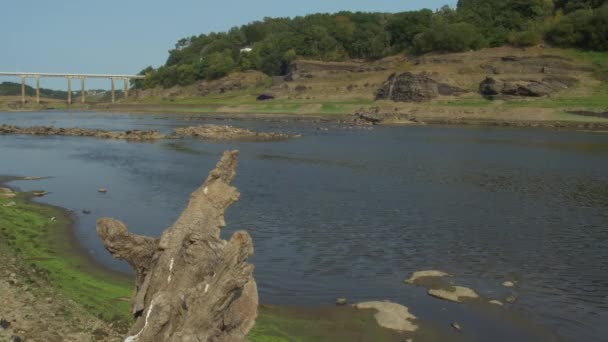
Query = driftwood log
x=190 y=284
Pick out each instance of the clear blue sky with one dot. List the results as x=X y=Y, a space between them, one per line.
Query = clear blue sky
x=125 y=36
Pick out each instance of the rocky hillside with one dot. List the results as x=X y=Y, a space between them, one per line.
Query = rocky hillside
x=497 y=73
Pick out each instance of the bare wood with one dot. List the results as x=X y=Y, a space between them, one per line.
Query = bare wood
x=191 y=285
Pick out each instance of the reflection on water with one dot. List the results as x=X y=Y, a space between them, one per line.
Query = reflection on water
x=343 y=213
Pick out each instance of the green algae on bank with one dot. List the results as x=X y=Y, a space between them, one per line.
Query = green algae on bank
x=40 y=236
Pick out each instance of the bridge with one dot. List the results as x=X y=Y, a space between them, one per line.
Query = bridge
x=69 y=77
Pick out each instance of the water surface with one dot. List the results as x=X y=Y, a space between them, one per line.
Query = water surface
x=351 y=212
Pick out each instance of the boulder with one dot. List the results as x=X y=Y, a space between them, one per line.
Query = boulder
x=495 y=88
x=457 y=294
x=418 y=275
x=264 y=97
x=409 y=87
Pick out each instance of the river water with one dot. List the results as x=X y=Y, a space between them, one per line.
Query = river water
x=352 y=212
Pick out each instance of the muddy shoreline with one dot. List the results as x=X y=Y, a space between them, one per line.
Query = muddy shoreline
x=68 y=231
x=208 y=132
x=396 y=119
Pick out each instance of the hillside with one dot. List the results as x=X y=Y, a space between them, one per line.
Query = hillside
x=329 y=89
x=271 y=45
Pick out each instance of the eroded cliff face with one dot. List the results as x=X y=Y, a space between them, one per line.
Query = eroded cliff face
x=410 y=87
x=190 y=284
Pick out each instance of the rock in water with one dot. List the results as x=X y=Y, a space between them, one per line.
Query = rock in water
x=425 y=274
x=508 y=284
x=391 y=315
x=190 y=284
x=457 y=294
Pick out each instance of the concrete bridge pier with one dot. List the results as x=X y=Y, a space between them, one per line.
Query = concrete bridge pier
x=126 y=81
x=113 y=92
x=38 y=90
x=82 y=92
x=69 y=90
x=22 y=90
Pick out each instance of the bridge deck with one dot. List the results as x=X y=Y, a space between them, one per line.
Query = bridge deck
x=41 y=74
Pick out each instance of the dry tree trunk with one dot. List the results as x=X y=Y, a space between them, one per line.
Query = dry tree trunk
x=190 y=284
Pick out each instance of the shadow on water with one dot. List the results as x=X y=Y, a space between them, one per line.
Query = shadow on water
x=184 y=147
x=311 y=161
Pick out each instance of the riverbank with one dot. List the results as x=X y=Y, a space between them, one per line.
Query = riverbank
x=334 y=92
x=48 y=281
x=482 y=113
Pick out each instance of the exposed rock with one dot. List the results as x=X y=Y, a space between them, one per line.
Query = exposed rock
x=532 y=65
x=391 y=315
x=496 y=302
x=511 y=299
x=457 y=294
x=102 y=190
x=264 y=97
x=220 y=132
x=39 y=193
x=7 y=193
x=508 y=284
x=425 y=274
x=409 y=87
x=190 y=284
x=456 y=326
x=341 y=301
x=10 y=204
x=503 y=88
x=86 y=212
x=133 y=135
x=375 y=116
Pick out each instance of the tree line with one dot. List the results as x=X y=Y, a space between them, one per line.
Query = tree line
x=272 y=44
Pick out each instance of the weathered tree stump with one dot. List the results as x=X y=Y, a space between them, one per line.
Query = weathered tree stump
x=190 y=284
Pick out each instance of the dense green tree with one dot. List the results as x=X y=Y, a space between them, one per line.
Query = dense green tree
x=277 y=42
x=403 y=27
x=220 y=64
x=456 y=37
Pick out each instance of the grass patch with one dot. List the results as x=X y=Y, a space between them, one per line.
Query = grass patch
x=599 y=61
x=44 y=244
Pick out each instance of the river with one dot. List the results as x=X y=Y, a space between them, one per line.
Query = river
x=352 y=212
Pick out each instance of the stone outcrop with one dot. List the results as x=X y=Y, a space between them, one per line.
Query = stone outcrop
x=190 y=284
x=409 y=87
x=376 y=116
x=544 y=64
x=133 y=135
x=212 y=132
x=219 y=132
x=524 y=87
